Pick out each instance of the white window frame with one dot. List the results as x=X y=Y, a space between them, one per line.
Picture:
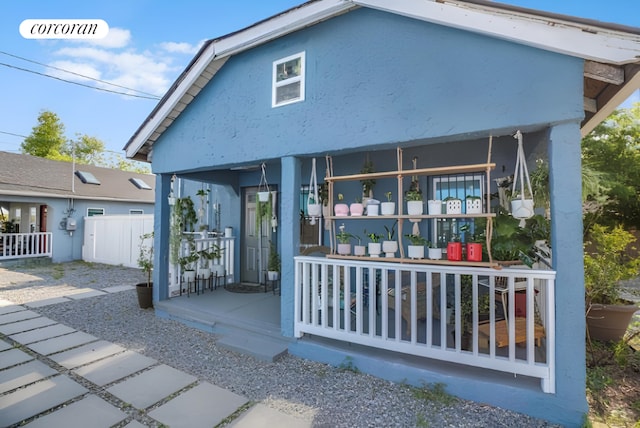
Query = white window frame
x=95 y=213
x=292 y=80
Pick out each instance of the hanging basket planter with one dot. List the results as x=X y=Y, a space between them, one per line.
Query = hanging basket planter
x=522 y=206
x=263 y=187
x=314 y=206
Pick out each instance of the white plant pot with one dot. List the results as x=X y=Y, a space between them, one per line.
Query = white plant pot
x=273 y=275
x=415 y=207
x=375 y=248
x=315 y=210
x=344 y=249
x=189 y=275
x=359 y=250
x=522 y=208
x=389 y=248
x=373 y=210
x=356 y=209
x=435 y=253
x=416 y=251
x=454 y=206
x=263 y=196
x=474 y=206
x=388 y=208
x=434 y=206
x=204 y=273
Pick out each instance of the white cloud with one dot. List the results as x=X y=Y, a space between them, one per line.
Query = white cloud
x=117 y=38
x=182 y=48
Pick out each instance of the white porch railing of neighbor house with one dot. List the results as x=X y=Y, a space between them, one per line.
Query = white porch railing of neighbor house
x=25 y=245
x=423 y=309
x=227 y=259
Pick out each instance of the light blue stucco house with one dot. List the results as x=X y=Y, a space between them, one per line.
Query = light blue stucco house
x=402 y=84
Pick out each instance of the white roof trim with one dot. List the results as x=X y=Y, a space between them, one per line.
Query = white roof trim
x=569 y=38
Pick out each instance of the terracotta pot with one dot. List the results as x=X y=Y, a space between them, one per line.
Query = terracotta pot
x=609 y=322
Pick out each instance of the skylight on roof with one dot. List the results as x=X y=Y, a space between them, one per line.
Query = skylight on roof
x=140 y=184
x=87 y=177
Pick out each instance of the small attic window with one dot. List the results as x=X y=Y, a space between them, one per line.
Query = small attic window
x=87 y=177
x=288 y=80
x=140 y=184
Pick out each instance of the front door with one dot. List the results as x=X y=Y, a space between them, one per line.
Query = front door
x=254 y=247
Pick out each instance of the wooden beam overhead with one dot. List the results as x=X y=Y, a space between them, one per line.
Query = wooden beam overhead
x=604 y=72
x=590 y=105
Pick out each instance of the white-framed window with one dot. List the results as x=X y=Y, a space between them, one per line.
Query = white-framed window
x=94 y=211
x=288 y=80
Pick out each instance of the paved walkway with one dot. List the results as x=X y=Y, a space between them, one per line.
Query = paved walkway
x=52 y=375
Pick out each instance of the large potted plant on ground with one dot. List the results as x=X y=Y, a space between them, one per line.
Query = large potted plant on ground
x=145 y=262
x=605 y=265
x=273 y=266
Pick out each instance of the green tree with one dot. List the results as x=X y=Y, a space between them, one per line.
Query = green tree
x=86 y=150
x=47 y=139
x=613 y=150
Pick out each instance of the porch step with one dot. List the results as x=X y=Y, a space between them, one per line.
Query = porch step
x=264 y=348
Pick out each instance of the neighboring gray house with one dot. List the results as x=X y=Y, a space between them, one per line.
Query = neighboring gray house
x=43 y=203
x=447 y=83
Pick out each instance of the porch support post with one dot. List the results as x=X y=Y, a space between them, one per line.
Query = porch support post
x=161 y=238
x=290 y=237
x=565 y=181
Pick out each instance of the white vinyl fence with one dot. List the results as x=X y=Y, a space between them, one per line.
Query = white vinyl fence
x=115 y=239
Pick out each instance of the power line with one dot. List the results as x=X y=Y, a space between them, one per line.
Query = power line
x=11 y=133
x=77 y=74
x=78 y=83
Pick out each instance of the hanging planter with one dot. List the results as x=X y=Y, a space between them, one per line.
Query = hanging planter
x=521 y=198
x=314 y=207
x=263 y=187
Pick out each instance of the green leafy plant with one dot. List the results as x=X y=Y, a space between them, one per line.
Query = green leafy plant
x=214 y=252
x=273 y=264
x=417 y=239
x=343 y=236
x=145 y=256
x=413 y=195
x=264 y=210
x=188 y=261
x=368 y=183
x=391 y=231
x=374 y=237
x=389 y=195
x=607 y=264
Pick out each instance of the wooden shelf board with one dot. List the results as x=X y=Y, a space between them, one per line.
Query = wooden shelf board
x=408 y=217
x=420 y=171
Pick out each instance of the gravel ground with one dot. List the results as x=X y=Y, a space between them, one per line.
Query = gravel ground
x=331 y=397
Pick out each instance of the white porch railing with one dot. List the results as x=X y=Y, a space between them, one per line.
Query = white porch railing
x=226 y=244
x=24 y=245
x=430 y=300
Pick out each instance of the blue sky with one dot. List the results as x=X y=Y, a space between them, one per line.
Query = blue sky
x=149 y=44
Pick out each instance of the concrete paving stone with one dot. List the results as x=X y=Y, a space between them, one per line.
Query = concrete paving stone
x=261 y=416
x=118 y=288
x=37 y=398
x=26 y=325
x=4 y=302
x=11 y=357
x=43 y=333
x=151 y=386
x=84 y=293
x=86 y=354
x=91 y=411
x=5 y=345
x=18 y=316
x=134 y=424
x=24 y=374
x=114 y=368
x=61 y=343
x=47 y=302
x=205 y=405
x=11 y=307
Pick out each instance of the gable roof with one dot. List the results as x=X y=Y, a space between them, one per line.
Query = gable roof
x=611 y=52
x=25 y=175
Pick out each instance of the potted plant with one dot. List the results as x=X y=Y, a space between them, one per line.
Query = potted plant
x=473 y=244
x=264 y=210
x=453 y=205
x=415 y=205
x=367 y=183
x=202 y=193
x=188 y=262
x=605 y=266
x=356 y=208
x=314 y=207
x=389 y=207
x=374 y=247
x=416 y=249
x=344 y=241
x=390 y=246
x=359 y=250
x=263 y=188
x=434 y=253
x=473 y=204
x=145 y=262
x=214 y=252
x=273 y=265
x=434 y=206
x=341 y=209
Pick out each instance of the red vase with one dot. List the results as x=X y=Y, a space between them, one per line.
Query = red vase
x=474 y=252
x=454 y=251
